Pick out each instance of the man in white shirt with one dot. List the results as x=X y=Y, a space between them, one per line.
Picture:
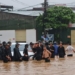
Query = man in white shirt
x=70 y=50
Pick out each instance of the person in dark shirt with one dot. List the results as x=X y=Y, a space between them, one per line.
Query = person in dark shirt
x=25 y=52
x=3 y=45
x=10 y=54
x=61 y=51
x=17 y=55
x=6 y=56
x=34 y=51
x=34 y=48
x=38 y=51
x=3 y=49
x=52 y=50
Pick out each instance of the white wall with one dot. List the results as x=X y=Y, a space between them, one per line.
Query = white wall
x=31 y=35
x=73 y=25
x=7 y=35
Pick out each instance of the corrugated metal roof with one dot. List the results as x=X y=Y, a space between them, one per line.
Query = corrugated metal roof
x=30 y=13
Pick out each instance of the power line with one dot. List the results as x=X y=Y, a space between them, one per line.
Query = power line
x=20 y=2
x=29 y=6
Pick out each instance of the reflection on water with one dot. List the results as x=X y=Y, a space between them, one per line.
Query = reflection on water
x=55 y=67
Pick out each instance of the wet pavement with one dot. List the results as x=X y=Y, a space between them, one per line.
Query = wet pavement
x=57 y=66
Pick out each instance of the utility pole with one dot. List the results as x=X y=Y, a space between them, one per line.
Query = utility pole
x=0 y=6
x=45 y=5
x=44 y=14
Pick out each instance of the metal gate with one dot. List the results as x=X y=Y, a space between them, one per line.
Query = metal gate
x=20 y=35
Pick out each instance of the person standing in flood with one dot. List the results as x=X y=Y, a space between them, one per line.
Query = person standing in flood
x=70 y=50
x=25 y=52
x=52 y=50
x=61 y=51
x=46 y=54
x=34 y=50
x=56 y=48
x=38 y=52
x=3 y=48
x=10 y=50
x=6 y=56
x=17 y=55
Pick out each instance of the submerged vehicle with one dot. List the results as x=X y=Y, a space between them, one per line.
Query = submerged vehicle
x=21 y=48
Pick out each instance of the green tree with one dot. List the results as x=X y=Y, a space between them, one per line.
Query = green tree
x=57 y=17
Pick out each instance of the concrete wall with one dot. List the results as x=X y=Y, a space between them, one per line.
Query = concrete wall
x=31 y=35
x=73 y=25
x=7 y=35
x=28 y=35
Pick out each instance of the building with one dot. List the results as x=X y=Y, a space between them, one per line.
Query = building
x=18 y=26
x=6 y=7
x=22 y=25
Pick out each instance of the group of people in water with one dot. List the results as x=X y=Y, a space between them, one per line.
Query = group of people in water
x=41 y=51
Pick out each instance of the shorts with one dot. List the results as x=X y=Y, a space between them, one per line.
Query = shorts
x=70 y=55
x=47 y=59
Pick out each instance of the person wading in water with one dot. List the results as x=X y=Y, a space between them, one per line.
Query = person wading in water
x=61 y=51
x=25 y=52
x=46 y=54
x=6 y=56
x=17 y=55
x=52 y=50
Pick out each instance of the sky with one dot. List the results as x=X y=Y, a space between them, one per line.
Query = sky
x=18 y=4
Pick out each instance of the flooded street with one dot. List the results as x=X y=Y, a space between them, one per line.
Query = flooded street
x=57 y=66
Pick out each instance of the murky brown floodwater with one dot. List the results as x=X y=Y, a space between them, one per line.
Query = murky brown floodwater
x=57 y=66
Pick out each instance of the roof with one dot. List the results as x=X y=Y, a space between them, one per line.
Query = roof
x=6 y=6
x=29 y=13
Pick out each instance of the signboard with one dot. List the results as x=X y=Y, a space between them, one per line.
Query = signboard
x=50 y=37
